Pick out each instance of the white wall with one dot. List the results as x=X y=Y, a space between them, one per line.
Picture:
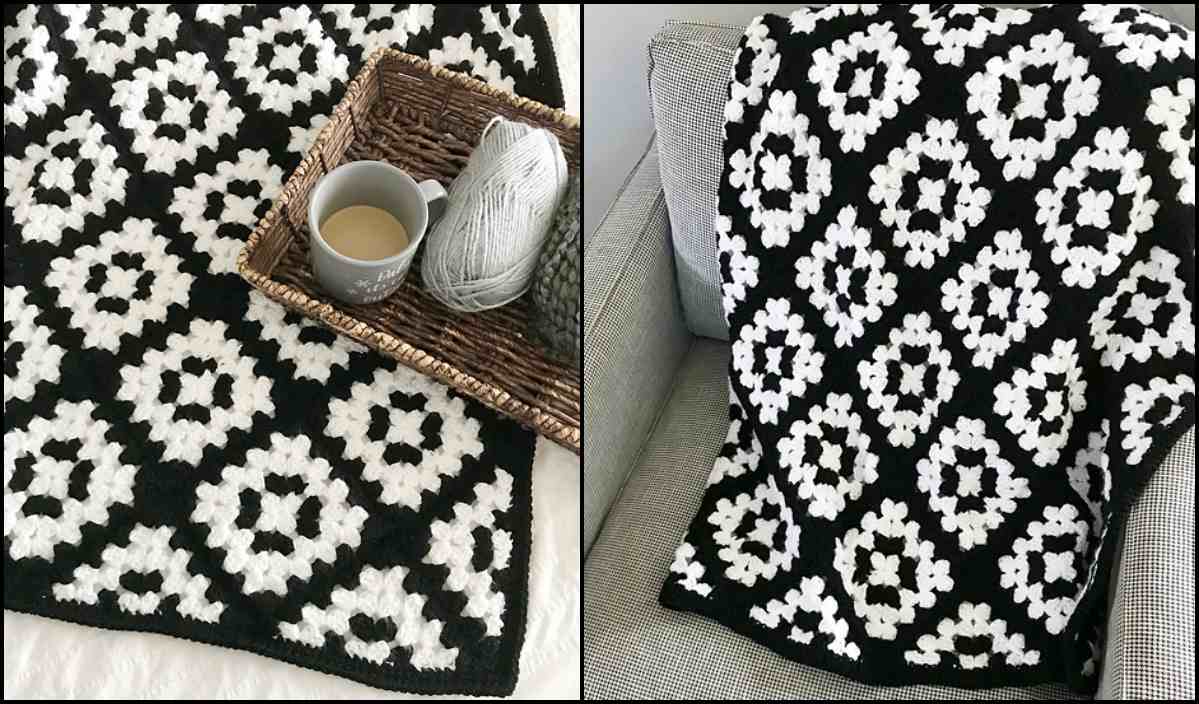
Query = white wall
x=616 y=112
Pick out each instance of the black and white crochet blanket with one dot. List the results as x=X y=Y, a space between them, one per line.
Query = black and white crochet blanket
x=181 y=454
x=957 y=252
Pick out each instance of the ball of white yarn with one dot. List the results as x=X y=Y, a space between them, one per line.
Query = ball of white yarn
x=483 y=252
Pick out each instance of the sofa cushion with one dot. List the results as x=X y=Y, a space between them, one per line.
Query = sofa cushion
x=629 y=279
x=688 y=83
x=638 y=649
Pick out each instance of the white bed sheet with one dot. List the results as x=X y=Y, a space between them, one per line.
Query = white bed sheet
x=49 y=659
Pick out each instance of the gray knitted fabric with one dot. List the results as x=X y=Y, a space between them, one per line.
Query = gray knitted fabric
x=554 y=316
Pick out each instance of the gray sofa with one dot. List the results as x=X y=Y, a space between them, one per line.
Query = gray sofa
x=655 y=370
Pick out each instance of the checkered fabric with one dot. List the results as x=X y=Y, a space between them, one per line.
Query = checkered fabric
x=688 y=84
x=629 y=289
x=1151 y=622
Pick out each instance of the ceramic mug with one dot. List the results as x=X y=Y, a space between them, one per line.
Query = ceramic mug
x=381 y=185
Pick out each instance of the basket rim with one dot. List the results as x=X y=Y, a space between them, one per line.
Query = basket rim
x=470 y=82
x=285 y=294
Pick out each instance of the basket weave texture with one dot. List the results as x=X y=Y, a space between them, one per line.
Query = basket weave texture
x=425 y=120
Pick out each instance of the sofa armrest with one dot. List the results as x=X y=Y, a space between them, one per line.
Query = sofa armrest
x=1150 y=650
x=634 y=336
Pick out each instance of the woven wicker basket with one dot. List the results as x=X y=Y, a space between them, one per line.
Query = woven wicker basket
x=426 y=120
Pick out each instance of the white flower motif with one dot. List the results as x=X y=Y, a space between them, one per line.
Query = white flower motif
x=1010 y=312
x=1060 y=393
x=520 y=45
x=462 y=51
x=43 y=508
x=280 y=93
x=148 y=551
x=776 y=172
x=777 y=223
x=1074 y=93
x=1155 y=407
x=1174 y=112
x=757 y=35
x=876 y=376
x=762 y=69
x=452 y=544
x=302 y=138
x=690 y=570
x=141 y=281
x=1151 y=288
x=391 y=440
x=810 y=599
x=1143 y=37
x=212 y=224
x=217 y=13
x=774 y=346
x=195 y=371
x=858 y=120
x=847 y=279
x=954 y=451
x=382 y=25
x=1093 y=208
x=104 y=36
x=974 y=622
x=314 y=358
x=739 y=95
x=742 y=272
x=1090 y=477
x=811 y=457
x=741 y=171
x=1059 y=565
x=28 y=43
x=945 y=207
x=303 y=516
x=779 y=536
x=181 y=140
x=1093 y=220
x=380 y=595
x=42 y=219
x=805 y=20
x=1017 y=573
x=741 y=451
x=944 y=27
x=27 y=348
x=885 y=574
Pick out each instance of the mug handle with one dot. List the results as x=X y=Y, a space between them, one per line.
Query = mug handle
x=435 y=198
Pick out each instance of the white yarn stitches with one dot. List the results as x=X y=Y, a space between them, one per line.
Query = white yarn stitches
x=483 y=252
x=149 y=552
x=380 y=595
x=453 y=545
